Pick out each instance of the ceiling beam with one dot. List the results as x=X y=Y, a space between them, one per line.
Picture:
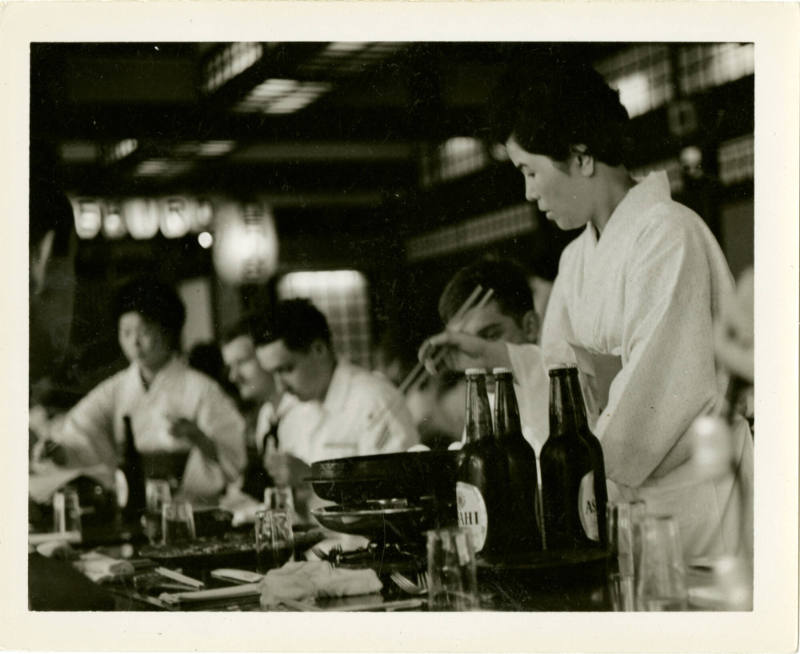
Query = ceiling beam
x=185 y=122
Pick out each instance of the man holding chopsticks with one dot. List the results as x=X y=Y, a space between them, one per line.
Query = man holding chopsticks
x=505 y=322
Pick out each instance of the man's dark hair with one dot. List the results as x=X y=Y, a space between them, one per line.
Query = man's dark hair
x=506 y=278
x=549 y=104
x=255 y=325
x=298 y=323
x=156 y=301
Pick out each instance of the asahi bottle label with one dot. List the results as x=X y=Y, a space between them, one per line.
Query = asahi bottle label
x=472 y=513
x=587 y=507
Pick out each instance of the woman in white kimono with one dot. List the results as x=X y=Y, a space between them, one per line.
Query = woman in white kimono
x=180 y=417
x=633 y=306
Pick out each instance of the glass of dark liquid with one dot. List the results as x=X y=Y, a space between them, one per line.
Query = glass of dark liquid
x=274 y=539
x=177 y=523
x=158 y=493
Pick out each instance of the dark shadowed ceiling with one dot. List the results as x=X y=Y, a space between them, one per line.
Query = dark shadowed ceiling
x=354 y=143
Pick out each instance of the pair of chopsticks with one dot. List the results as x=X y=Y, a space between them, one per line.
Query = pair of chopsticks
x=180 y=578
x=419 y=372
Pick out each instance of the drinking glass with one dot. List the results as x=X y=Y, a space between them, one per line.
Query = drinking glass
x=274 y=539
x=66 y=511
x=452 y=578
x=661 y=582
x=158 y=493
x=177 y=523
x=278 y=498
x=624 y=549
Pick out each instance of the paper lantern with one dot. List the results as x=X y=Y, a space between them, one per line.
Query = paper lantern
x=88 y=217
x=174 y=217
x=141 y=217
x=113 y=224
x=203 y=215
x=245 y=243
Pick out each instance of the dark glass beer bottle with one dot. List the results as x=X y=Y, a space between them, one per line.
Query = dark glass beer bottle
x=482 y=473
x=133 y=469
x=523 y=482
x=573 y=474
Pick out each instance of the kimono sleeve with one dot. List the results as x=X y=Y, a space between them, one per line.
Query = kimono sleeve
x=558 y=338
x=222 y=423
x=668 y=369
x=87 y=433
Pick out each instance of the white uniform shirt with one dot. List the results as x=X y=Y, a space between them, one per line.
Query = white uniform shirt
x=634 y=310
x=93 y=431
x=362 y=414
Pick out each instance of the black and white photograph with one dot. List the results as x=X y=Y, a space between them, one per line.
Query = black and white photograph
x=440 y=331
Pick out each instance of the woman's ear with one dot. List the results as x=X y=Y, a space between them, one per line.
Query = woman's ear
x=584 y=161
x=530 y=326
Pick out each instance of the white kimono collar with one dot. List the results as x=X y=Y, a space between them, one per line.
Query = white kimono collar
x=173 y=363
x=651 y=189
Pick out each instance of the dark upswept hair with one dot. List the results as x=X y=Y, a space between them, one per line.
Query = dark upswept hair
x=156 y=301
x=507 y=280
x=298 y=323
x=550 y=104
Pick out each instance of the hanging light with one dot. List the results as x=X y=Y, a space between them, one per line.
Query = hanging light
x=203 y=215
x=113 y=224
x=88 y=217
x=245 y=243
x=205 y=239
x=141 y=217
x=174 y=217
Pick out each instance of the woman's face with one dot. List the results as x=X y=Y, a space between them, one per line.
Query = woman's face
x=560 y=190
x=143 y=341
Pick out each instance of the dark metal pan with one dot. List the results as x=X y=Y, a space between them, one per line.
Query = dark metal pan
x=356 y=480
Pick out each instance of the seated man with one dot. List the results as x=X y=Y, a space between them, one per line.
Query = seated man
x=263 y=399
x=508 y=318
x=357 y=412
x=259 y=398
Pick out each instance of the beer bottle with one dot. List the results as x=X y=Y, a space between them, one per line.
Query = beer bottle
x=133 y=469
x=521 y=459
x=482 y=473
x=573 y=474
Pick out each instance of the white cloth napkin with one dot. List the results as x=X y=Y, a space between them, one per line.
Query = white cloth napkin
x=99 y=567
x=311 y=579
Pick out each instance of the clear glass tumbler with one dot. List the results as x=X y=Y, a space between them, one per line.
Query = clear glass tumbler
x=177 y=523
x=661 y=581
x=625 y=551
x=452 y=576
x=274 y=539
x=158 y=493
x=66 y=511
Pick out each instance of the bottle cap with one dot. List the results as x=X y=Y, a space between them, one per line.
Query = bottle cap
x=560 y=368
x=501 y=371
x=473 y=372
